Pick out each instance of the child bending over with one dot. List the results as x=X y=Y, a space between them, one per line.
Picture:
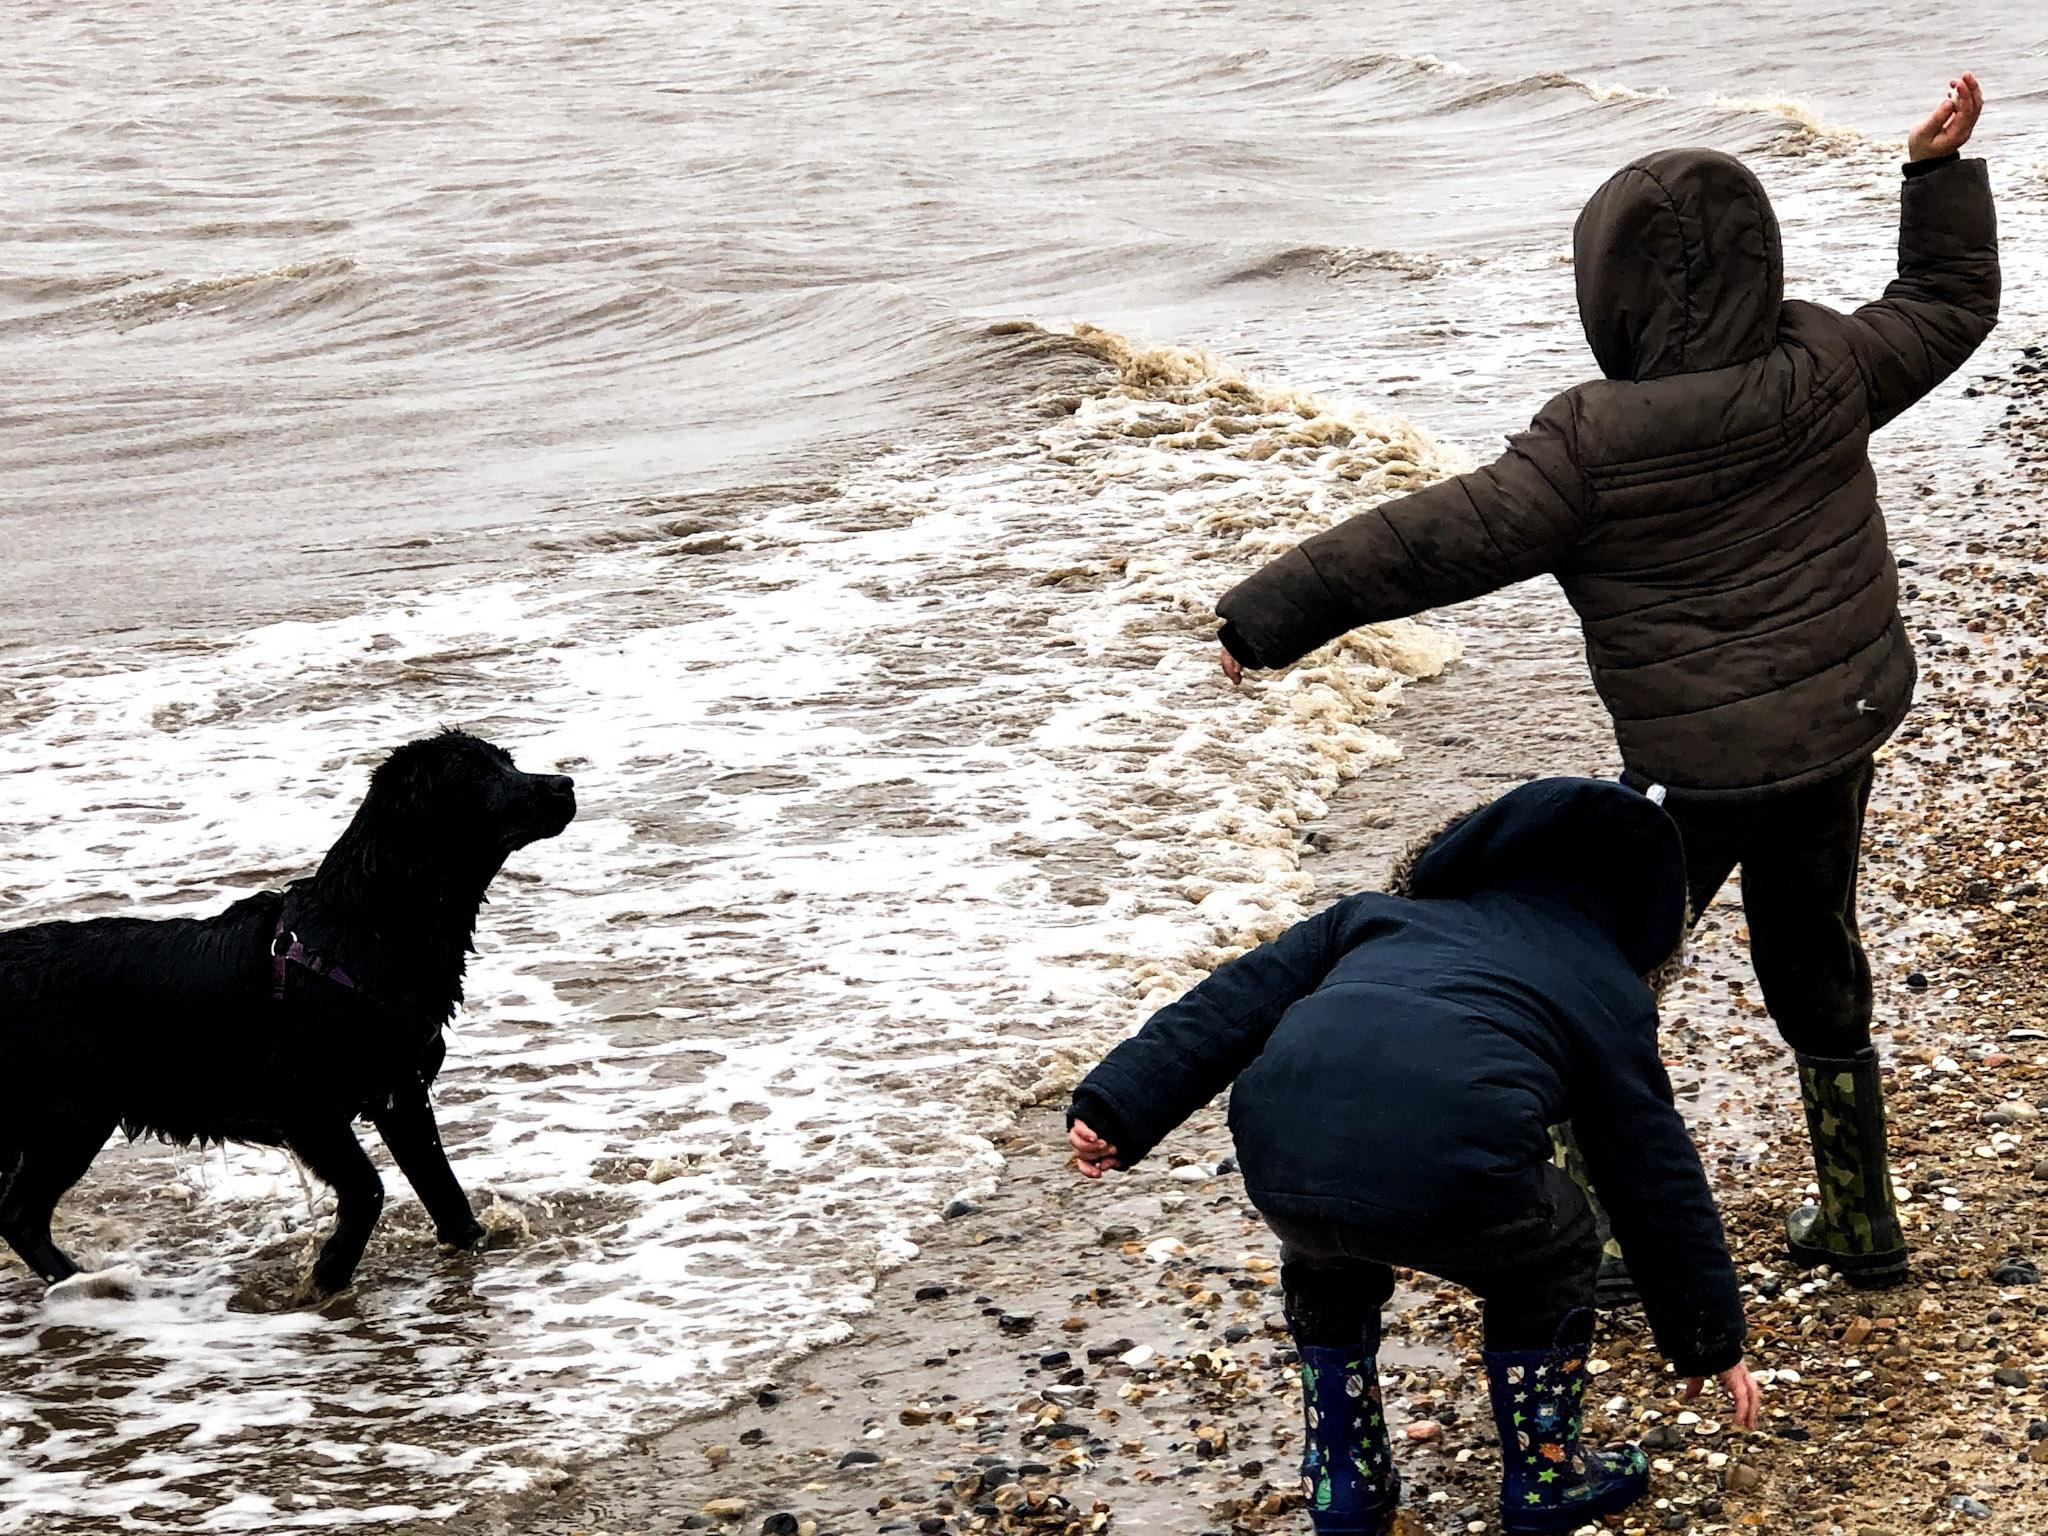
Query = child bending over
x=1398 y=1061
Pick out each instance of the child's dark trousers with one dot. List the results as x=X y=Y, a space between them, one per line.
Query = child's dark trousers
x=1529 y=1272
x=1799 y=854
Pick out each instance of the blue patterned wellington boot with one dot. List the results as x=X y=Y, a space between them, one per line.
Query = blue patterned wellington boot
x=1347 y=1467
x=1549 y=1482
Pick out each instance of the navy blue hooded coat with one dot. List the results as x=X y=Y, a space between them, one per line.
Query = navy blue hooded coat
x=1399 y=1059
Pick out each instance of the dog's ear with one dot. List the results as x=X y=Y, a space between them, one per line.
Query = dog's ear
x=416 y=839
x=412 y=780
x=403 y=786
x=393 y=836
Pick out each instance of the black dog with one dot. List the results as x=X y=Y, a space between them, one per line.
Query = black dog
x=281 y=1020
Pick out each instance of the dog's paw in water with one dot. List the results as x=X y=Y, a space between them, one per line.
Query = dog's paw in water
x=282 y=1284
x=120 y=1282
x=308 y=1294
x=470 y=1239
x=265 y=1296
x=504 y=1226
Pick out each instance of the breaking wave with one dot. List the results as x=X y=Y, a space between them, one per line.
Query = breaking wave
x=1341 y=261
x=1803 y=132
x=293 y=287
x=1549 y=81
x=1392 y=64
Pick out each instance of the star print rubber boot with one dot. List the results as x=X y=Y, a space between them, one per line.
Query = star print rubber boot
x=1613 y=1286
x=1347 y=1466
x=1855 y=1225
x=1549 y=1482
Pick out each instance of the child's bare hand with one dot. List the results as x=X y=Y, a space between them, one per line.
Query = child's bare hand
x=1741 y=1388
x=1948 y=126
x=1093 y=1156
x=1232 y=667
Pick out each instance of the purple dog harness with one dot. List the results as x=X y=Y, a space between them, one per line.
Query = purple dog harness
x=286 y=950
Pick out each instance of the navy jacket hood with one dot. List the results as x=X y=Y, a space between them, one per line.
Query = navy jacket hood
x=1603 y=848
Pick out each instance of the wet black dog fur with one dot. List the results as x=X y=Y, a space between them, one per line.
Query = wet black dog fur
x=172 y=1028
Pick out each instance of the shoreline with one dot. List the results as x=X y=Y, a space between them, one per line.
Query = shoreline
x=1071 y=1358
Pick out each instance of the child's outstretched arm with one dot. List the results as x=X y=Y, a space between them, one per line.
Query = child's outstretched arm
x=1648 y=1175
x=1449 y=542
x=1944 y=301
x=1190 y=1050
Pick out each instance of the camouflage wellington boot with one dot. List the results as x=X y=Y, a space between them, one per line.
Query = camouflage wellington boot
x=1549 y=1482
x=1614 y=1286
x=1855 y=1226
x=1347 y=1466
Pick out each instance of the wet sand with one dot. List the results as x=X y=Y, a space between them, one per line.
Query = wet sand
x=1070 y=1357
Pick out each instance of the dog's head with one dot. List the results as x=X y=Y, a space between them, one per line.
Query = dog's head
x=466 y=794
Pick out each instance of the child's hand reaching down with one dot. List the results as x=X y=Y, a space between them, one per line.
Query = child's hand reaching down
x=1741 y=1388
x=1948 y=126
x=1092 y=1155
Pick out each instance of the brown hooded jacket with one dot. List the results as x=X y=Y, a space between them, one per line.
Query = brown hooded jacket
x=1709 y=507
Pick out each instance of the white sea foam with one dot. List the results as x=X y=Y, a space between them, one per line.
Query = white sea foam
x=899 y=804
x=115 y=1283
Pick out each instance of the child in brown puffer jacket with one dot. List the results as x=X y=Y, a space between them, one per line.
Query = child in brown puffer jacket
x=1710 y=510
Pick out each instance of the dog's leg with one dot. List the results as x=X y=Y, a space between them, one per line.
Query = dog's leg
x=338 y=1159
x=408 y=1128
x=48 y=1163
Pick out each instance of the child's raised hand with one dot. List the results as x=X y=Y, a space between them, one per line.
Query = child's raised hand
x=1092 y=1155
x=1948 y=126
x=1741 y=1388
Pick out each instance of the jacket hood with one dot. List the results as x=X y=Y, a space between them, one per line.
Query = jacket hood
x=1679 y=267
x=1606 y=849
